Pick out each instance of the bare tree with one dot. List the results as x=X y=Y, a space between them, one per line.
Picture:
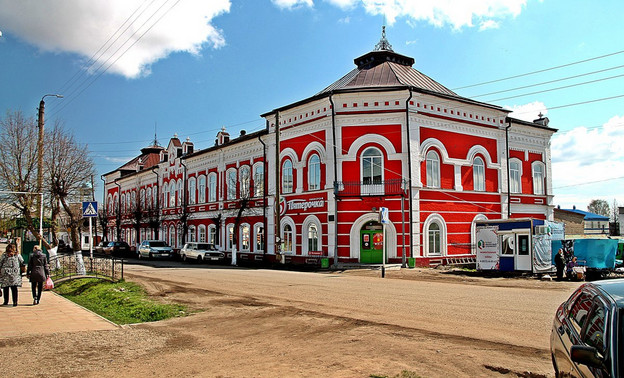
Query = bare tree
x=600 y=207
x=69 y=167
x=18 y=166
x=102 y=219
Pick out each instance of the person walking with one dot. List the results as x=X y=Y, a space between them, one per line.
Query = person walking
x=10 y=273
x=560 y=264
x=38 y=271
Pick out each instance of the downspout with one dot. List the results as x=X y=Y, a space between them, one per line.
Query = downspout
x=157 y=200
x=264 y=196
x=409 y=178
x=118 y=217
x=333 y=121
x=508 y=171
x=184 y=205
x=276 y=205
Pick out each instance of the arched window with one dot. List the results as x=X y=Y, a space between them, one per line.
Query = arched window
x=212 y=235
x=478 y=174
x=258 y=180
x=201 y=230
x=191 y=190
x=245 y=178
x=287 y=238
x=231 y=184
x=372 y=167
x=142 y=198
x=259 y=237
x=313 y=238
x=433 y=170
x=172 y=194
x=201 y=189
x=434 y=234
x=230 y=236
x=148 y=198
x=314 y=173
x=212 y=187
x=172 y=236
x=191 y=234
x=515 y=173
x=179 y=192
x=538 y=178
x=245 y=237
x=287 y=177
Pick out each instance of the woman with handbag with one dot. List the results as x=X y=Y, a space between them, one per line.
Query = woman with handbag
x=38 y=271
x=10 y=273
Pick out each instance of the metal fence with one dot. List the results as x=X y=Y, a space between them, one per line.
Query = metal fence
x=65 y=267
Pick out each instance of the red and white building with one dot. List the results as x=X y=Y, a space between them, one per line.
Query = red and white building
x=382 y=136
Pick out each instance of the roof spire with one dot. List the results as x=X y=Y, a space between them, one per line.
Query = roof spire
x=383 y=43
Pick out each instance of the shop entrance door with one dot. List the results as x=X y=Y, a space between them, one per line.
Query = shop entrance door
x=371 y=243
x=523 y=252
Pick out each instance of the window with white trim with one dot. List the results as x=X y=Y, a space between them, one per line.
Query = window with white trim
x=201 y=189
x=435 y=239
x=192 y=183
x=287 y=238
x=245 y=237
x=314 y=172
x=212 y=187
x=372 y=167
x=478 y=174
x=230 y=236
x=201 y=231
x=212 y=235
x=245 y=178
x=515 y=173
x=258 y=180
x=231 y=184
x=313 y=237
x=538 y=178
x=287 y=177
x=433 y=169
x=259 y=232
x=191 y=234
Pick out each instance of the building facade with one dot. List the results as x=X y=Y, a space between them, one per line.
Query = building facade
x=313 y=181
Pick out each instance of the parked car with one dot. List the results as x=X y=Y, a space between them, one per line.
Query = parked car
x=155 y=249
x=587 y=338
x=200 y=252
x=117 y=248
x=99 y=248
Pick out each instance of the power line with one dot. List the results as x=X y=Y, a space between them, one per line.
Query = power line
x=539 y=71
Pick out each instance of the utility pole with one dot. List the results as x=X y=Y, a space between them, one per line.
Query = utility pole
x=40 y=123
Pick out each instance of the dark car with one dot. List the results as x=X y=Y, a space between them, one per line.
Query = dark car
x=588 y=332
x=117 y=248
x=99 y=248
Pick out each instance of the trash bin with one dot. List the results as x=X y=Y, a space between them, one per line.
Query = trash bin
x=411 y=262
x=325 y=263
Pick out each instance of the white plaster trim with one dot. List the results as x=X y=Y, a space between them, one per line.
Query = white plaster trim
x=354 y=236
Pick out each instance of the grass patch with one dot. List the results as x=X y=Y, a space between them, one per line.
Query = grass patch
x=120 y=302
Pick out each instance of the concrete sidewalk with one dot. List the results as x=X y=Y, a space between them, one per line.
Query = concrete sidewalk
x=53 y=314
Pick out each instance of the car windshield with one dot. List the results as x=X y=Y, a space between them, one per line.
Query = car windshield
x=158 y=244
x=203 y=246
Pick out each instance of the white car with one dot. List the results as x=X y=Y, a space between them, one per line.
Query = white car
x=200 y=252
x=155 y=249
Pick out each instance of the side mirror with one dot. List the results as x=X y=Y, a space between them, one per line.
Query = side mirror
x=586 y=355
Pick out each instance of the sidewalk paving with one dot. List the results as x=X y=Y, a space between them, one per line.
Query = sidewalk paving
x=53 y=314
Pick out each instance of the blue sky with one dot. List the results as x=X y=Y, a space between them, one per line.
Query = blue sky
x=190 y=67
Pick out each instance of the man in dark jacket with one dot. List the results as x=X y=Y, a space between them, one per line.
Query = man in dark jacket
x=559 y=264
x=38 y=271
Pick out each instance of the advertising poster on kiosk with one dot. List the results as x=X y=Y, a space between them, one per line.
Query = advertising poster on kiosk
x=487 y=248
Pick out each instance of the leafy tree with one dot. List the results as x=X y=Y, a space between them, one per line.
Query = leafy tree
x=600 y=207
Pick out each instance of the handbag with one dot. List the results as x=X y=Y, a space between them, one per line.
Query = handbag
x=49 y=284
x=22 y=269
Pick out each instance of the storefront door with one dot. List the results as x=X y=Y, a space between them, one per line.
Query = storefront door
x=523 y=252
x=371 y=243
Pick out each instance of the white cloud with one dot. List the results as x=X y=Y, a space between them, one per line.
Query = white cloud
x=457 y=14
x=587 y=164
x=489 y=24
x=345 y=20
x=527 y=112
x=290 y=4
x=82 y=27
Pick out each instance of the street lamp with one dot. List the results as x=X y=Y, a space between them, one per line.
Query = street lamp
x=40 y=157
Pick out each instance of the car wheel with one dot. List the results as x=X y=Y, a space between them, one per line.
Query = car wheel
x=151 y=256
x=139 y=255
x=184 y=258
x=199 y=259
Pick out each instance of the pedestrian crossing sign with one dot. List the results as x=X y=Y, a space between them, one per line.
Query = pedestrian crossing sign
x=89 y=209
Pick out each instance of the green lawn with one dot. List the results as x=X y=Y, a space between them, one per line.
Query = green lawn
x=121 y=302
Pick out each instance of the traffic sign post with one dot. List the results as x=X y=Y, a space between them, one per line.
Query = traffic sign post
x=384 y=219
x=89 y=210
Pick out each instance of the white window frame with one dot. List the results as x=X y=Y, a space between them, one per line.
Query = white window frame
x=192 y=193
x=212 y=187
x=259 y=180
x=539 y=176
x=314 y=172
x=478 y=174
x=230 y=184
x=192 y=235
x=212 y=235
x=288 y=180
x=433 y=169
x=245 y=181
x=288 y=236
x=515 y=175
x=259 y=245
x=201 y=233
x=229 y=236
x=438 y=220
x=201 y=189
x=244 y=237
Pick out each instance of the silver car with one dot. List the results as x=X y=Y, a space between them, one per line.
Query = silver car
x=200 y=252
x=155 y=249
